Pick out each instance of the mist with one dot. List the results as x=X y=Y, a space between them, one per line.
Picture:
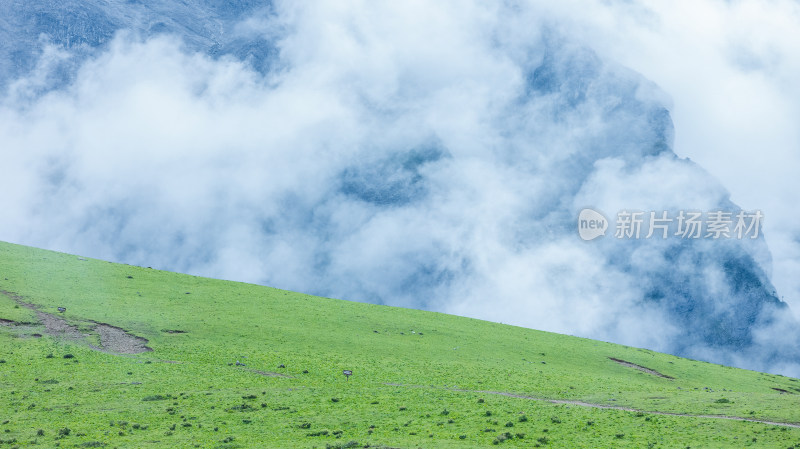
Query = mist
x=436 y=157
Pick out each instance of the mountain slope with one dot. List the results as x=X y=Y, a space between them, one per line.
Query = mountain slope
x=83 y=26
x=236 y=365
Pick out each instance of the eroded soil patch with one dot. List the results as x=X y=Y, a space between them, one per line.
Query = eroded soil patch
x=640 y=368
x=58 y=327
x=120 y=341
x=113 y=340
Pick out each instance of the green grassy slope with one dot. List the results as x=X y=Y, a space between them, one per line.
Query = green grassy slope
x=420 y=379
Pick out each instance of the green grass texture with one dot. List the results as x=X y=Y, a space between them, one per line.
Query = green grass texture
x=419 y=379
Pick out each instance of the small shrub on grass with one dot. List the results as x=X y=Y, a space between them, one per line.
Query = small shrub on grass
x=155 y=397
x=502 y=438
x=64 y=432
x=335 y=399
x=522 y=418
x=509 y=424
x=555 y=420
x=723 y=401
x=69 y=356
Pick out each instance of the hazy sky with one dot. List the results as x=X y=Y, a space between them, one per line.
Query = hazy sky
x=394 y=156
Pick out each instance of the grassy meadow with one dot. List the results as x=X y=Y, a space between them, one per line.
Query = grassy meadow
x=235 y=365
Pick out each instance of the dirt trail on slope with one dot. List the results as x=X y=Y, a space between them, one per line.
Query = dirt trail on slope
x=59 y=328
x=113 y=340
x=603 y=406
x=640 y=368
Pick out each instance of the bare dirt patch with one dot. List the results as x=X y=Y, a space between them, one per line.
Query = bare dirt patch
x=120 y=341
x=11 y=295
x=113 y=340
x=58 y=327
x=640 y=368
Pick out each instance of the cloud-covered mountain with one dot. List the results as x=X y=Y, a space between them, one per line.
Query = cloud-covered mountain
x=434 y=160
